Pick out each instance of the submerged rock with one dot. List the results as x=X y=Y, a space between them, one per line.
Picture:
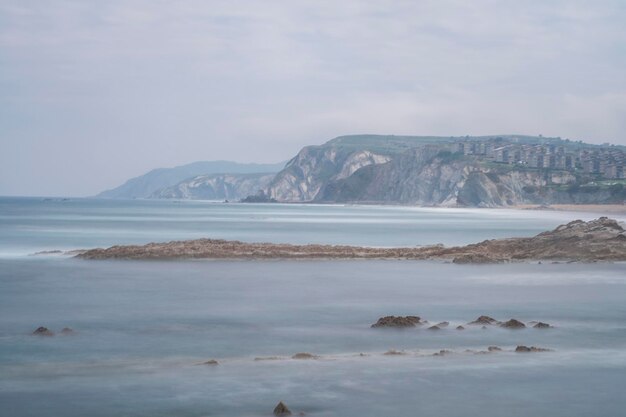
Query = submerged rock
x=494 y=349
x=460 y=328
x=443 y=352
x=524 y=349
x=541 y=325
x=210 y=362
x=397 y=321
x=67 y=331
x=434 y=328
x=484 y=320
x=393 y=352
x=513 y=324
x=43 y=331
x=443 y=324
x=281 y=410
x=304 y=355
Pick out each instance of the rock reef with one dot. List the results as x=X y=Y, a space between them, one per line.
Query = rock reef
x=602 y=239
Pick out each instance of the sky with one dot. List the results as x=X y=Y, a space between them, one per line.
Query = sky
x=95 y=92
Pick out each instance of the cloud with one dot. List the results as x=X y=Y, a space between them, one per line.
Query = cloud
x=152 y=83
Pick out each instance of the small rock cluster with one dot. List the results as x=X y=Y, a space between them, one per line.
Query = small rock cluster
x=44 y=331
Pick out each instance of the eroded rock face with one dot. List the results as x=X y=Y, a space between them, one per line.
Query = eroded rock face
x=397 y=321
x=281 y=410
x=513 y=324
x=484 y=320
x=43 y=331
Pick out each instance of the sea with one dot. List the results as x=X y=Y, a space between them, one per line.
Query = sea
x=144 y=330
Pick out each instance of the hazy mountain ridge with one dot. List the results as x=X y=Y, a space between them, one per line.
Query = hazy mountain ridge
x=216 y=187
x=145 y=185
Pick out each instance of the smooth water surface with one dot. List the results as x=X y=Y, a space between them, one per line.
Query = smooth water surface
x=29 y=225
x=144 y=328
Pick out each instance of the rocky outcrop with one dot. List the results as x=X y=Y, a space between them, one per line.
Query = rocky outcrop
x=526 y=349
x=397 y=321
x=304 y=355
x=597 y=240
x=43 y=331
x=281 y=410
x=513 y=324
x=484 y=320
x=216 y=187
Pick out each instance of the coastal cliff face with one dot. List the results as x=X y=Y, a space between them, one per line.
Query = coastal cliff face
x=216 y=187
x=421 y=173
x=316 y=166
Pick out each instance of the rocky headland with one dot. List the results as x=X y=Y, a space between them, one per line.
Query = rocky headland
x=597 y=240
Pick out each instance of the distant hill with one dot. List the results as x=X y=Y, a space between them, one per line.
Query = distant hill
x=231 y=187
x=479 y=171
x=145 y=185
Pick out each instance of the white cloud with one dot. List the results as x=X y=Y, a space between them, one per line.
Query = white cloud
x=248 y=80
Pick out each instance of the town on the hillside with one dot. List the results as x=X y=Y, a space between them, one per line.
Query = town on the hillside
x=605 y=161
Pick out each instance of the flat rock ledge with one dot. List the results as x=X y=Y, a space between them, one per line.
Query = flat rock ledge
x=600 y=240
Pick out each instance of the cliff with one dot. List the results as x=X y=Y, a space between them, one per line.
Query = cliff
x=147 y=184
x=216 y=187
x=424 y=171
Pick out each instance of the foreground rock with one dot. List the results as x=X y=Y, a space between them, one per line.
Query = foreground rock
x=304 y=355
x=397 y=321
x=513 y=324
x=526 y=349
x=484 y=320
x=597 y=240
x=43 y=331
x=282 y=410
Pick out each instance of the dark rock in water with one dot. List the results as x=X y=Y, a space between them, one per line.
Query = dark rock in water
x=513 y=324
x=304 y=355
x=443 y=324
x=397 y=321
x=43 y=331
x=484 y=320
x=210 y=362
x=494 y=349
x=541 y=325
x=443 y=352
x=434 y=328
x=460 y=328
x=67 y=331
x=282 y=410
x=524 y=349
x=484 y=327
x=393 y=352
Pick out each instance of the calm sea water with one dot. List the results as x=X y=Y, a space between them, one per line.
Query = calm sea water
x=143 y=327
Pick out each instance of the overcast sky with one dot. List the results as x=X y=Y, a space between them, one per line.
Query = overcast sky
x=95 y=92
